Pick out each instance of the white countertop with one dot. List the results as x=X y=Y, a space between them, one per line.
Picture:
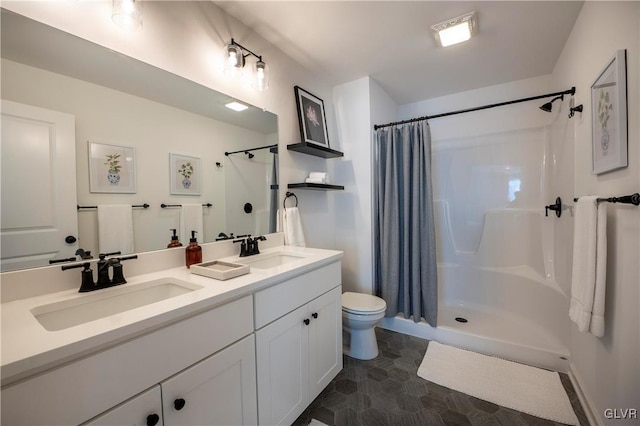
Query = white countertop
x=28 y=348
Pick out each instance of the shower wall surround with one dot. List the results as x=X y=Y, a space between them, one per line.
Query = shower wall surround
x=495 y=246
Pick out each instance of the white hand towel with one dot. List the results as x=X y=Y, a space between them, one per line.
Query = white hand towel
x=191 y=220
x=292 y=227
x=315 y=180
x=589 y=266
x=115 y=228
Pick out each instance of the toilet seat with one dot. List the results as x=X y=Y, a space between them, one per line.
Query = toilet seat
x=362 y=304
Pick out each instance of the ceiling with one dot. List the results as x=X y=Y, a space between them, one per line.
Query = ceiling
x=391 y=41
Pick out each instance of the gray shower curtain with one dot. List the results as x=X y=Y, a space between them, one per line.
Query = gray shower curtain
x=404 y=230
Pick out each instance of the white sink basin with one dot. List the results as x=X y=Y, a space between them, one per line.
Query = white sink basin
x=104 y=303
x=270 y=260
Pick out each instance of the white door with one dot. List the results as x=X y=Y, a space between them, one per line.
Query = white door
x=142 y=410
x=220 y=390
x=282 y=357
x=325 y=340
x=39 y=212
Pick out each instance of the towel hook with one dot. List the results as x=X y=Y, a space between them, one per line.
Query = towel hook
x=287 y=195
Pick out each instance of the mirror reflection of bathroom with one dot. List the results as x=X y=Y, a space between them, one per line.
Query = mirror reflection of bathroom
x=147 y=115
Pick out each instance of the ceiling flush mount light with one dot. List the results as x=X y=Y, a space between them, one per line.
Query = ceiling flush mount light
x=236 y=106
x=455 y=30
x=235 y=58
x=127 y=14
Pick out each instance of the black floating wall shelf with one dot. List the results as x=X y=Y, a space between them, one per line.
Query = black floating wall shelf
x=315 y=150
x=317 y=186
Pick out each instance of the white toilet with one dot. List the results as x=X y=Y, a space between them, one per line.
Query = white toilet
x=360 y=314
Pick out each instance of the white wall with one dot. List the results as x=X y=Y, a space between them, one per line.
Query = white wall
x=359 y=105
x=187 y=38
x=607 y=368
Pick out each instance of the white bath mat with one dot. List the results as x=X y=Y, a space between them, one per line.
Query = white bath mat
x=315 y=422
x=509 y=384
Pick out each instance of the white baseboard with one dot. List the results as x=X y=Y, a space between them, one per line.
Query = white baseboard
x=587 y=404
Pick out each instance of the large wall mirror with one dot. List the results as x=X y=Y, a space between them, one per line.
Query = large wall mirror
x=152 y=120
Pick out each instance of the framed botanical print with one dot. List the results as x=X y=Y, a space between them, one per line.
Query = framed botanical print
x=185 y=174
x=112 y=168
x=609 y=115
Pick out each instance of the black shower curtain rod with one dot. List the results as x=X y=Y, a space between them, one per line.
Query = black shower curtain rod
x=250 y=149
x=571 y=91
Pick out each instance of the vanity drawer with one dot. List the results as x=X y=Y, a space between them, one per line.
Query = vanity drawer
x=275 y=302
x=76 y=392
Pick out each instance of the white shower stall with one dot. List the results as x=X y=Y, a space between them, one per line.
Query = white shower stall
x=493 y=173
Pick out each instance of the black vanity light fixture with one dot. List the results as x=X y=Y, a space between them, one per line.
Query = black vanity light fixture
x=127 y=14
x=455 y=30
x=235 y=58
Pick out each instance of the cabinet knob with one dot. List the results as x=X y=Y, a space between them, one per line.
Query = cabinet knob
x=314 y=315
x=306 y=321
x=153 y=419
x=179 y=404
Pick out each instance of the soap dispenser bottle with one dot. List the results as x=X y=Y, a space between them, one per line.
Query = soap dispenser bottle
x=174 y=240
x=193 y=251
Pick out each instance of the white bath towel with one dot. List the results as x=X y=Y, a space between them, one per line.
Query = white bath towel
x=589 y=266
x=191 y=220
x=115 y=228
x=291 y=226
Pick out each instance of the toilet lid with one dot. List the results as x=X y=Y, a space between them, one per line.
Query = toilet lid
x=360 y=302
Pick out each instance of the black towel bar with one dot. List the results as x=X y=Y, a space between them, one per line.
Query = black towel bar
x=135 y=206
x=625 y=199
x=165 y=206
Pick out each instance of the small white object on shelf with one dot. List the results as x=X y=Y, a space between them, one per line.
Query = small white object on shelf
x=318 y=177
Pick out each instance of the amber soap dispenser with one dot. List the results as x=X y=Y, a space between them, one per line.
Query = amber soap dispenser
x=193 y=251
x=174 y=240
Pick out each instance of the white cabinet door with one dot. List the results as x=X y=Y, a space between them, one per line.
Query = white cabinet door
x=220 y=390
x=283 y=368
x=38 y=186
x=325 y=340
x=142 y=410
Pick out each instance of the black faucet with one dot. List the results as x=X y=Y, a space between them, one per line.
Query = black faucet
x=103 y=270
x=557 y=207
x=222 y=236
x=104 y=280
x=243 y=247
x=84 y=255
x=252 y=244
x=249 y=246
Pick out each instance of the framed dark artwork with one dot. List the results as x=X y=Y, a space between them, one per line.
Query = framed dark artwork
x=312 y=118
x=609 y=116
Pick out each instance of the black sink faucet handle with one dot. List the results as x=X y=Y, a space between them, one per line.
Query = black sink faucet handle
x=243 y=247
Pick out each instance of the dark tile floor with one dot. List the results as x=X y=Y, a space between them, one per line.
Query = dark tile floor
x=388 y=391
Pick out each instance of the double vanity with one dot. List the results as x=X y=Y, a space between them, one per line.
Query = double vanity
x=174 y=348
